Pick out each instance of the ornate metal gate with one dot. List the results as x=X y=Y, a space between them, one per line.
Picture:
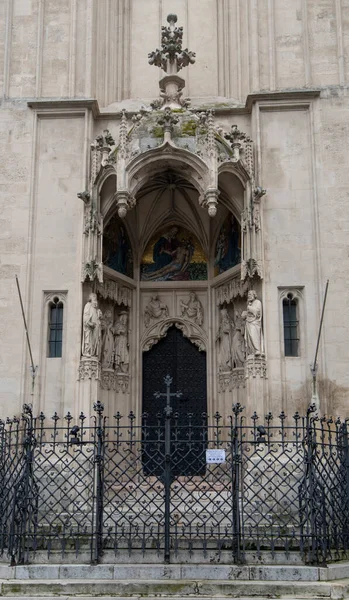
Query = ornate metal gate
x=69 y=486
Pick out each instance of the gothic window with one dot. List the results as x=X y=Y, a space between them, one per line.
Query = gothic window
x=55 y=328
x=291 y=325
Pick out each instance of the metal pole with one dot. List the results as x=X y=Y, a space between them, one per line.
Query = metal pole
x=33 y=367
x=313 y=367
x=167 y=474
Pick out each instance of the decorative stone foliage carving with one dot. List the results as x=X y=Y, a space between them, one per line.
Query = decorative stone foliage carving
x=159 y=330
x=235 y=288
x=111 y=290
x=171 y=48
x=251 y=268
x=89 y=368
x=192 y=309
x=155 y=310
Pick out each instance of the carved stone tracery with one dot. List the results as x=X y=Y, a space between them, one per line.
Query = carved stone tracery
x=159 y=330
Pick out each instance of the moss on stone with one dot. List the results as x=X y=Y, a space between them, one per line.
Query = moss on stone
x=189 y=128
x=158 y=131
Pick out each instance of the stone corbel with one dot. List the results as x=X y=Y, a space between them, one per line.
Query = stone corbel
x=89 y=368
x=124 y=201
x=210 y=201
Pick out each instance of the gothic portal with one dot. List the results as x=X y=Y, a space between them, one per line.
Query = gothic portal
x=173 y=257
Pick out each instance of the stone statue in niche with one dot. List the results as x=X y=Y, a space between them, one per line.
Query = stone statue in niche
x=253 y=326
x=225 y=337
x=91 y=340
x=107 y=353
x=238 y=342
x=121 y=347
x=155 y=310
x=192 y=309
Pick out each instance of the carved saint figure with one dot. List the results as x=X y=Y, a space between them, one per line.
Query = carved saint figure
x=192 y=309
x=91 y=340
x=155 y=310
x=253 y=327
x=107 y=354
x=121 y=343
x=238 y=342
x=224 y=336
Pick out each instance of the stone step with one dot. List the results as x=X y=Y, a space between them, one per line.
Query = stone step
x=176 y=589
x=175 y=572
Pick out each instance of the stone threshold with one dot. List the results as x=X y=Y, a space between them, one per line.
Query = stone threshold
x=175 y=572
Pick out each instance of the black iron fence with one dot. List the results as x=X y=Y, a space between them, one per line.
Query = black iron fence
x=158 y=484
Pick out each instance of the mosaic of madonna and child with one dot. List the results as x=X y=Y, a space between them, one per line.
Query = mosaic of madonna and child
x=173 y=254
x=117 y=253
x=228 y=246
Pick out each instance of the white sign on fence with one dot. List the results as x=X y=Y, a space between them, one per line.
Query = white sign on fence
x=215 y=457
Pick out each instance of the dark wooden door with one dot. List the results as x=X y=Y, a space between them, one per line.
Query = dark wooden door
x=176 y=356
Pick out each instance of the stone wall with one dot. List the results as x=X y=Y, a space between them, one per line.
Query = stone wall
x=88 y=48
x=98 y=49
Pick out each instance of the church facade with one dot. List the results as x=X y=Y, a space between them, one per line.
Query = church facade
x=174 y=192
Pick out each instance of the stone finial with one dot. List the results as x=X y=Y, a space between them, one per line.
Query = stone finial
x=167 y=120
x=103 y=144
x=236 y=139
x=171 y=53
x=171 y=58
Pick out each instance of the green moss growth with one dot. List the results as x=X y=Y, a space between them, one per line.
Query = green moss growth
x=158 y=131
x=189 y=128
